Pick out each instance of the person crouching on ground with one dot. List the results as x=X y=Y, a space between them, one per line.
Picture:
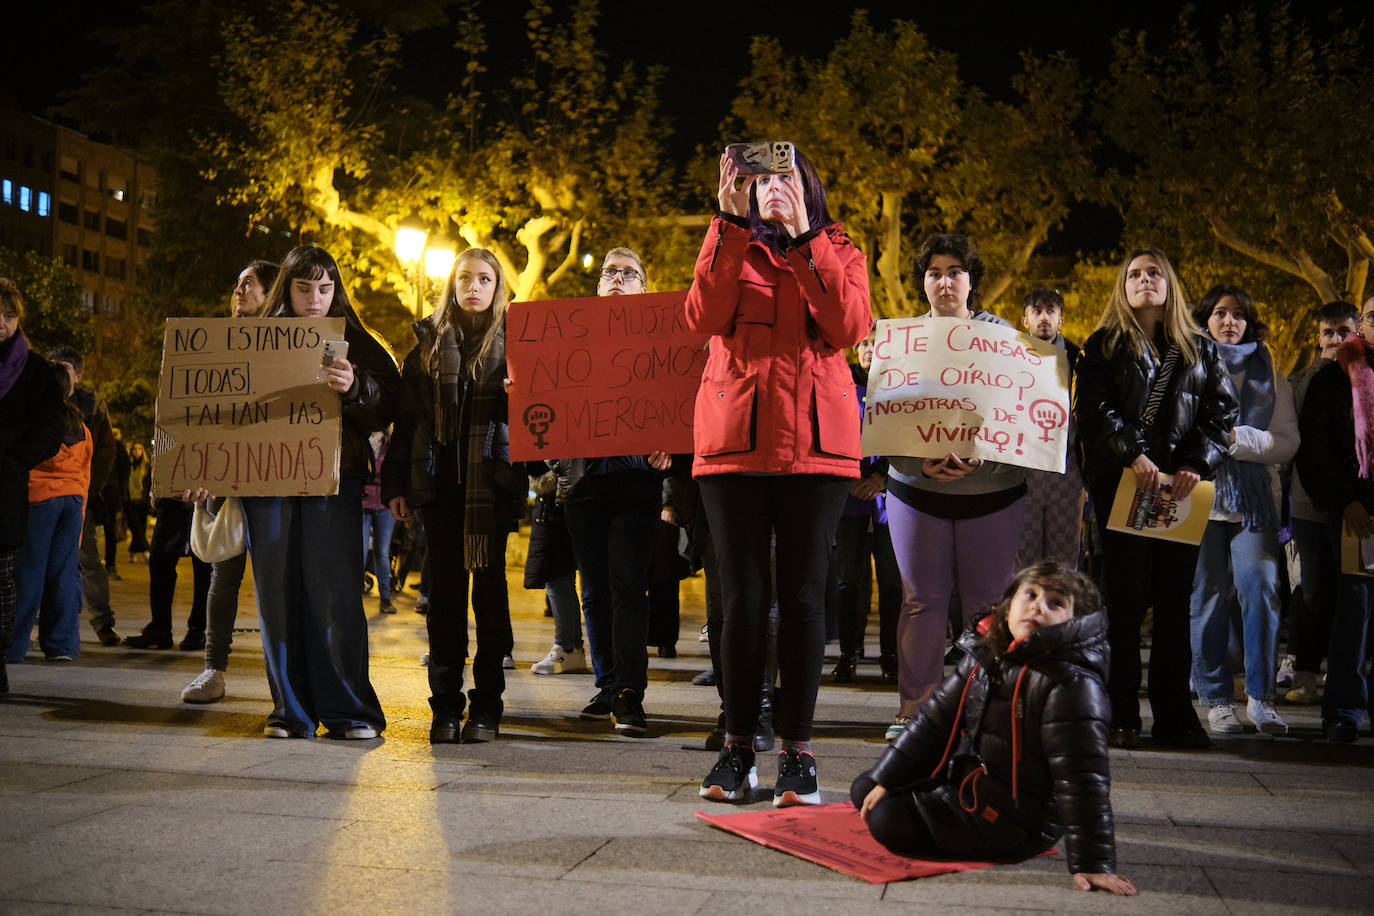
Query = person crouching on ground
x=1010 y=752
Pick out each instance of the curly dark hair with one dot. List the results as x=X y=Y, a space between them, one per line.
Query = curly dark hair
x=1069 y=582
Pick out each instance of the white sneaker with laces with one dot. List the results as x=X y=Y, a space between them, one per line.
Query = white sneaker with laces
x=1285 y=676
x=561 y=661
x=1265 y=719
x=1306 y=688
x=206 y=688
x=1222 y=720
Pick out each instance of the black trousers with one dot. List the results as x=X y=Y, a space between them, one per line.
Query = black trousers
x=1138 y=574
x=447 y=620
x=746 y=513
x=171 y=540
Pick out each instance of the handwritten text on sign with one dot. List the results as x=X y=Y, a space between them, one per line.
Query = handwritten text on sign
x=612 y=375
x=974 y=388
x=240 y=409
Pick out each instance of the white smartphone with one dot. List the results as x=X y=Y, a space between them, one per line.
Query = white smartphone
x=334 y=349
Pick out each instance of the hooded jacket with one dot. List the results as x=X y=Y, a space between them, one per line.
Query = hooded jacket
x=1019 y=744
x=1192 y=427
x=776 y=396
x=31 y=425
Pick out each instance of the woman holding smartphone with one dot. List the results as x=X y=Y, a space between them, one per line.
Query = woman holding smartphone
x=1151 y=396
x=305 y=550
x=449 y=459
x=782 y=292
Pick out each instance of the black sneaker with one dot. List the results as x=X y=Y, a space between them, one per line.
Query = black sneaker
x=733 y=775
x=628 y=713
x=599 y=707
x=796 y=780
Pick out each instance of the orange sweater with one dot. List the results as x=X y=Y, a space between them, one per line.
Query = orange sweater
x=68 y=473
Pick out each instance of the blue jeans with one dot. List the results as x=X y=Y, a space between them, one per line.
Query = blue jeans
x=567 y=611
x=1347 y=690
x=49 y=587
x=1235 y=564
x=306 y=568
x=379 y=522
x=614 y=543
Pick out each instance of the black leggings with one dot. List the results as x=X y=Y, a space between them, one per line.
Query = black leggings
x=745 y=513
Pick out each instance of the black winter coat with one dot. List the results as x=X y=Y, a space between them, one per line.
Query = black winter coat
x=370 y=404
x=1326 y=462
x=32 y=422
x=1059 y=784
x=412 y=463
x=1192 y=427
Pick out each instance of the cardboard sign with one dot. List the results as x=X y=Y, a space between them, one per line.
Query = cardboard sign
x=977 y=389
x=241 y=410
x=1357 y=554
x=834 y=836
x=595 y=377
x=1159 y=514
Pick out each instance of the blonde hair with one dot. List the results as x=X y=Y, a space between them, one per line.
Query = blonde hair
x=446 y=315
x=1119 y=321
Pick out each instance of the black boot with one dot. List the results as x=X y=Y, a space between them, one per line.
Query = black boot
x=889 y=668
x=763 y=734
x=484 y=718
x=844 y=671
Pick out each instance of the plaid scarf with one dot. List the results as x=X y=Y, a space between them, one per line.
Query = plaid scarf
x=470 y=404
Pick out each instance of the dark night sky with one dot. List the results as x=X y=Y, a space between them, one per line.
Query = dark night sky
x=705 y=52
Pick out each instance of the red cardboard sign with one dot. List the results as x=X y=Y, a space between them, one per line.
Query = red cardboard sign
x=602 y=376
x=833 y=836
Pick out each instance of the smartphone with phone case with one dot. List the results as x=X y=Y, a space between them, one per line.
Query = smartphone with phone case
x=333 y=349
x=763 y=157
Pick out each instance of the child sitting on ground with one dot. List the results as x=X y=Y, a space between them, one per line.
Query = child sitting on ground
x=1010 y=752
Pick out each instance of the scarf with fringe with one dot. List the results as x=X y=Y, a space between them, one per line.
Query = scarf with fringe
x=1245 y=486
x=467 y=404
x=1353 y=356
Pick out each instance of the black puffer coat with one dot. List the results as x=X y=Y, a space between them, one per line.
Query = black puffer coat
x=1192 y=427
x=1046 y=767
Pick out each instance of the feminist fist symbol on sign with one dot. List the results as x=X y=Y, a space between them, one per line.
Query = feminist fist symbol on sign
x=1048 y=415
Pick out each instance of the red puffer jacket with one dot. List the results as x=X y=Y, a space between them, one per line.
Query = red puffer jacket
x=776 y=396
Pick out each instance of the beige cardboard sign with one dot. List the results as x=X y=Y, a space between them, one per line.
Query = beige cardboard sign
x=973 y=388
x=241 y=410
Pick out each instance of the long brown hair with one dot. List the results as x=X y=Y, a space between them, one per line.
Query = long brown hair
x=446 y=315
x=1119 y=321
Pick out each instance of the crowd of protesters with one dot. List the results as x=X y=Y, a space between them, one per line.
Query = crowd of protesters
x=790 y=520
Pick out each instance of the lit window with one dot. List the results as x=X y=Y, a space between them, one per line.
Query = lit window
x=44 y=203
x=25 y=198
x=7 y=190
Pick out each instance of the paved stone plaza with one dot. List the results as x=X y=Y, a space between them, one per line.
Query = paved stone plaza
x=117 y=797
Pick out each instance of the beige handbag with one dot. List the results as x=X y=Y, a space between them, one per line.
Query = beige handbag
x=218 y=536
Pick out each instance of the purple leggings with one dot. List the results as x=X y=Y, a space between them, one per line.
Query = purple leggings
x=929 y=552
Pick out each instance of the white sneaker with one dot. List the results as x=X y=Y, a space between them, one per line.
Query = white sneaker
x=206 y=688
x=1264 y=718
x=561 y=661
x=702 y=636
x=1306 y=688
x=1222 y=720
x=508 y=663
x=1285 y=676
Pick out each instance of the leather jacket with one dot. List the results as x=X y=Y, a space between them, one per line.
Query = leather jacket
x=1035 y=720
x=1192 y=427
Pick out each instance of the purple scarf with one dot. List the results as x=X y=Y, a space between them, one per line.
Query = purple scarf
x=13 y=356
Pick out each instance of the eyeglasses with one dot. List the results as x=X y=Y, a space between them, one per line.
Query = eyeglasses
x=629 y=274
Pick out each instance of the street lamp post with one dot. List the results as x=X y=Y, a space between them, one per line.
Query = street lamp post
x=410 y=246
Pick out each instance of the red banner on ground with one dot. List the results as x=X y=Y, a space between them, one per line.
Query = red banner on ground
x=609 y=375
x=833 y=836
